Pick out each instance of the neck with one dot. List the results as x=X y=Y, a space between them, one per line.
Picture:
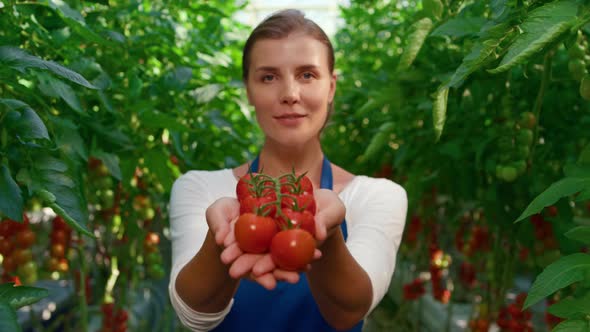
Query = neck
x=276 y=159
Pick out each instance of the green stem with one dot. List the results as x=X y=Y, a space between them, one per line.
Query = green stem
x=547 y=61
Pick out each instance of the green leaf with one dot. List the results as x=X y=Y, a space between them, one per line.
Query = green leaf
x=459 y=27
x=18 y=59
x=24 y=120
x=580 y=233
x=379 y=140
x=111 y=161
x=439 y=110
x=557 y=190
x=11 y=200
x=577 y=171
x=415 y=40
x=75 y=20
x=542 y=26
x=571 y=307
x=560 y=274
x=490 y=37
x=577 y=325
x=68 y=139
x=206 y=93
x=433 y=8
x=21 y=296
x=8 y=319
x=55 y=88
x=584 y=158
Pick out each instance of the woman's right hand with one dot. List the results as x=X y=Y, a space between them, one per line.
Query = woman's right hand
x=221 y=217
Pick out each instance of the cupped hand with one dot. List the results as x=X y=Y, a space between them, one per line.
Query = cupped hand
x=257 y=267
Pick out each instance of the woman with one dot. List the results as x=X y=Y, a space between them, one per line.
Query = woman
x=288 y=71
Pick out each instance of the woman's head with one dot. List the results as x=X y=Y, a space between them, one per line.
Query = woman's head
x=280 y=25
x=288 y=69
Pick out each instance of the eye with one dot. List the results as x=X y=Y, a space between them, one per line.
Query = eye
x=267 y=77
x=308 y=75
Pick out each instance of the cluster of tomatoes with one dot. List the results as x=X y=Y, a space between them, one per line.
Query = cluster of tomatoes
x=413 y=230
x=277 y=215
x=16 y=240
x=543 y=232
x=153 y=257
x=60 y=238
x=439 y=262
x=513 y=319
x=514 y=146
x=578 y=64
x=114 y=319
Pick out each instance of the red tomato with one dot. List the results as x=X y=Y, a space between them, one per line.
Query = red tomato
x=254 y=233
x=59 y=236
x=22 y=256
x=6 y=246
x=151 y=239
x=292 y=185
x=292 y=249
x=25 y=238
x=58 y=250
x=298 y=219
x=299 y=202
x=245 y=188
x=254 y=205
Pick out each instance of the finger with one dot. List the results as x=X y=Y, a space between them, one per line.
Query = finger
x=267 y=281
x=288 y=276
x=243 y=265
x=230 y=236
x=263 y=266
x=317 y=254
x=219 y=214
x=230 y=253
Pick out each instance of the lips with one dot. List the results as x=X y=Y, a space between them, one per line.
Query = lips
x=290 y=116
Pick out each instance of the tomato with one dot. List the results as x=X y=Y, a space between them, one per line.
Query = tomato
x=292 y=185
x=59 y=223
x=6 y=246
x=254 y=205
x=254 y=233
x=528 y=120
x=121 y=316
x=8 y=264
x=59 y=236
x=245 y=187
x=25 y=239
x=27 y=269
x=153 y=258
x=292 y=249
x=58 y=250
x=151 y=239
x=298 y=219
x=22 y=256
x=303 y=201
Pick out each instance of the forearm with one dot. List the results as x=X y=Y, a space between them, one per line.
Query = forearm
x=341 y=288
x=204 y=283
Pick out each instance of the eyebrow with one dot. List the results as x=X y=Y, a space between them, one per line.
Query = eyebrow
x=300 y=68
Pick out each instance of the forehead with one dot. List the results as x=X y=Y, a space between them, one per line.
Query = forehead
x=295 y=49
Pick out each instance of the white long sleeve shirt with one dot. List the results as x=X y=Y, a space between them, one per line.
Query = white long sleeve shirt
x=375 y=218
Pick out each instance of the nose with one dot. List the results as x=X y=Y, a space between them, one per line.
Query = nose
x=289 y=92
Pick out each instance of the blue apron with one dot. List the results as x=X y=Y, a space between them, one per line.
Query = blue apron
x=287 y=308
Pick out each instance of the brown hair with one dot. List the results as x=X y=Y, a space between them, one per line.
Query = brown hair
x=280 y=25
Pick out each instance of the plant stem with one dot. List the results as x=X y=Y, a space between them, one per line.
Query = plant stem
x=547 y=61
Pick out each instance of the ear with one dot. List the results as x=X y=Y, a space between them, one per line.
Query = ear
x=332 y=92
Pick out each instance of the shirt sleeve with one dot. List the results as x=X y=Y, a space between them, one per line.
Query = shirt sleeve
x=376 y=216
x=189 y=201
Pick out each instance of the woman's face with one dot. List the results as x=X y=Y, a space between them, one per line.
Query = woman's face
x=290 y=86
